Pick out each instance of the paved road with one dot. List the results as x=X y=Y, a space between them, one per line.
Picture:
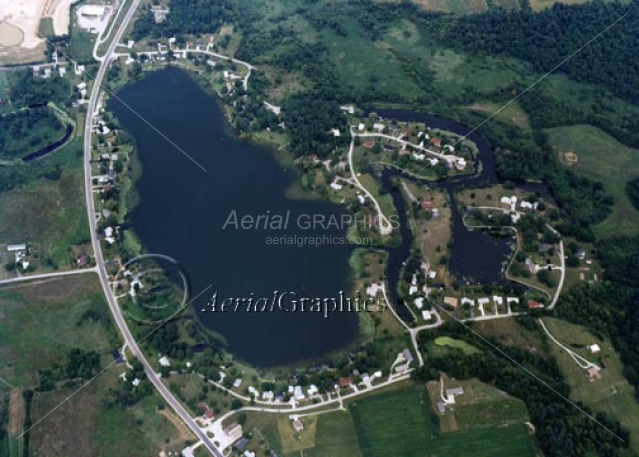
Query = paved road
x=113 y=305
x=385 y=227
x=55 y=274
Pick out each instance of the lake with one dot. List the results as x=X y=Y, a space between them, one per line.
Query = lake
x=183 y=209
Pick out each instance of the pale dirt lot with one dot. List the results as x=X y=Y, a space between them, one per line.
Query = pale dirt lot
x=26 y=15
x=60 y=11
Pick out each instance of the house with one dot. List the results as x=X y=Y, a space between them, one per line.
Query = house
x=368 y=144
x=401 y=368
x=17 y=247
x=467 y=301
x=452 y=392
x=361 y=126
x=417 y=156
x=336 y=186
x=208 y=412
x=498 y=300
x=268 y=395
x=312 y=390
x=82 y=260
x=441 y=407
x=241 y=444
x=419 y=302
x=298 y=393
x=234 y=431
x=455 y=391
x=435 y=141
x=108 y=235
x=407 y=355
x=237 y=383
x=345 y=381
x=298 y=425
x=335 y=132
x=427 y=205
x=534 y=304
x=510 y=300
x=164 y=361
x=253 y=391
x=433 y=161
x=426 y=315
x=379 y=126
x=581 y=253
x=92 y=11
x=594 y=348
x=82 y=86
x=460 y=163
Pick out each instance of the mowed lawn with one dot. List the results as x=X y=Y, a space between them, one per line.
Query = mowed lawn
x=401 y=423
x=604 y=159
x=611 y=393
x=335 y=436
x=468 y=349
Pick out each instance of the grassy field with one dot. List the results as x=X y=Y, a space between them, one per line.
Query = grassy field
x=511 y=333
x=335 y=436
x=461 y=6
x=602 y=158
x=39 y=324
x=361 y=65
x=48 y=213
x=46 y=27
x=401 y=423
x=610 y=393
x=457 y=344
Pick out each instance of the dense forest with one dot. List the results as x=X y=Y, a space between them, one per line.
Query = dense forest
x=309 y=120
x=27 y=130
x=186 y=17
x=546 y=38
x=29 y=91
x=632 y=190
x=610 y=307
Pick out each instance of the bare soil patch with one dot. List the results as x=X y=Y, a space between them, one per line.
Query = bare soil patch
x=568 y=157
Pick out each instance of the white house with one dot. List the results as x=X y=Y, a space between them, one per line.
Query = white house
x=467 y=301
x=594 y=348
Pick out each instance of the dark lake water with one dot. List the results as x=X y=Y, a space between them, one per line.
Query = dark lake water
x=476 y=256
x=182 y=211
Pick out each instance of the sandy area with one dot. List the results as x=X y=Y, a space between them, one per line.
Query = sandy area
x=60 y=11
x=24 y=14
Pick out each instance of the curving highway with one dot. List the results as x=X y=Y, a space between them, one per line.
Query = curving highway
x=101 y=270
